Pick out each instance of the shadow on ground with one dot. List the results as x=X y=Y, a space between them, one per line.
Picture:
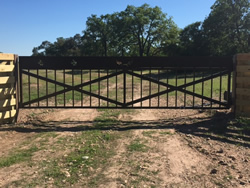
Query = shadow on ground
x=221 y=127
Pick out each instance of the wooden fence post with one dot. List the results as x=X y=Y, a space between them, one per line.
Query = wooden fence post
x=7 y=88
x=242 y=85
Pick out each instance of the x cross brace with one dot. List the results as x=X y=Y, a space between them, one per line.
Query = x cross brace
x=170 y=87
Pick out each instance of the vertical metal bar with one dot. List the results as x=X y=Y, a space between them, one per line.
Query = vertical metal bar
x=107 y=87
x=194 y=87
x=81 y=88
x=64 y=94
x=176 y=84
x=141 y=87
x=90 y=87
x=47 y=92
x=37 y=71
x=73 y=91
x=158 y=79
x=150 y=76
x=124 y=87
x=229 y=90
x=167 y=83
x=99 y=89
x=132 y=88
x=185 y=82
x=116 y=87
x=202 y=90
x=211 y=89
x=29 y=86
x=55 y=89
x=220 y=88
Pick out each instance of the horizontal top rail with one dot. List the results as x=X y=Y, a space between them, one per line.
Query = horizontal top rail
x=52 y=62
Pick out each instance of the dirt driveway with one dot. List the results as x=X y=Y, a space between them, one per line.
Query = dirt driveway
x=125 y=148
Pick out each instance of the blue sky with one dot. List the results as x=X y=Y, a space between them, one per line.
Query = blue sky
x=26 y=23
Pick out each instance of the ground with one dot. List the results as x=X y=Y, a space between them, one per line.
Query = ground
x=125 y=148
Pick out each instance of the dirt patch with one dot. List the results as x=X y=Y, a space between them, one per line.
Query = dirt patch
x=155 y=148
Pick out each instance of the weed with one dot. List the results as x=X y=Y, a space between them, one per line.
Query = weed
x=52 y=170
x=17 y=157
x=148 y=133
x=136 y=145
x=84 y=158
x=244 y=125
x=218 y=183
x=166 y=133
x=107 y=118
x=228 y=178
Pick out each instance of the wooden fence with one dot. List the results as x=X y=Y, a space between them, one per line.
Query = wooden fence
x=7 y=88
x=242 y=85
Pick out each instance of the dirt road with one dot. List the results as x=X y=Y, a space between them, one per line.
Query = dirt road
x=135 y=148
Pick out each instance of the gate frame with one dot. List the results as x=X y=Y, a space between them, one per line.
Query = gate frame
x=126 y=64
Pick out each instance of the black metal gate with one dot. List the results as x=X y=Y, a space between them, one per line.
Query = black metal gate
x=125 y=82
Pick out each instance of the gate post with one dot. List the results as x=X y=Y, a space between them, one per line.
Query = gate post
x=8 y=92
x=241 y=86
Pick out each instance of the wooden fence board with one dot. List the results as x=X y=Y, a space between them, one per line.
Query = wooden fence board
x=242 y=57
x=7 y=121
x=7 y=68
x=7 y=91
x=7 y=114
x=244 y=62
x=244 y=68
x=4 y=62
x=243 y=74
x=4 y=109
x=7 y=56
x=243 y=108
x=7 y=80
x=243 y=91
x=7 y=102
x=243 y=85
x=242 y=80
x=7 y=97
x=243 y=102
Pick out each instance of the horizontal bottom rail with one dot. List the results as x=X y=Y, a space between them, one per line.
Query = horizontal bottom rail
x=93 y=107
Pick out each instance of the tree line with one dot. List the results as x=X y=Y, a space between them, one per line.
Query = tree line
x=147 y=31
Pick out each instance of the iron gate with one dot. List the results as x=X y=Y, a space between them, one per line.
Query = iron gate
x=125 y=82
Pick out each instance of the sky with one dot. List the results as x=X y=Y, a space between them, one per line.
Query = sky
x=25 y=24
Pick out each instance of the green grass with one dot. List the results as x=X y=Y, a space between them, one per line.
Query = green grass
x=137 y=145
x=90 y=150
x=149 y=133
x=107 y=118
x=166 y=133
x=244 y=124
x=18 y=157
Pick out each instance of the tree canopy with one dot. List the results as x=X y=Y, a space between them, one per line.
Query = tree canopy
x=228 y=27
x=147 y=31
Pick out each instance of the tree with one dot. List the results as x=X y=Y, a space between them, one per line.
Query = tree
x=149 y=28
x=61 y=47
x=227 y=27
x=97 y=34
x=192 y=40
